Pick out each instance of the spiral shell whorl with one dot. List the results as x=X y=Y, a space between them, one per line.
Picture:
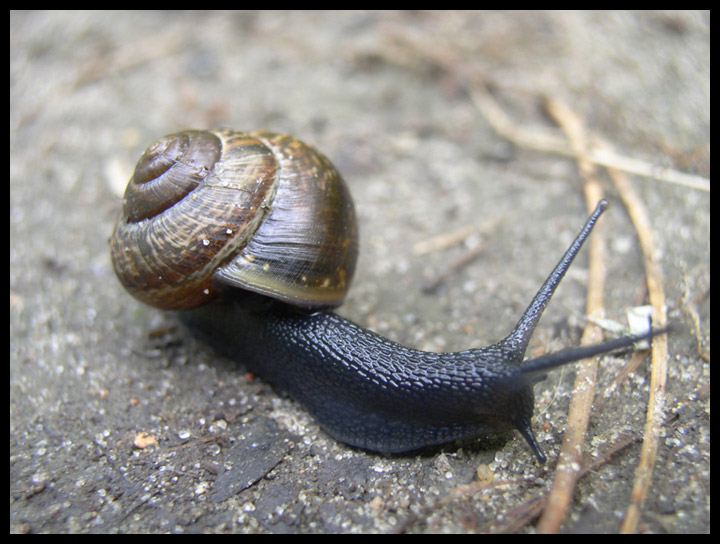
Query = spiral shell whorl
x=168 y=170
x=197 y=199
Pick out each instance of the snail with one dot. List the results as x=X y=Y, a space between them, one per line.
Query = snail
x=253 y=236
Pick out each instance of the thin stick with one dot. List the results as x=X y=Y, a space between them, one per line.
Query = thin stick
x=550 y=142
x=658 y=376
x=570 y=462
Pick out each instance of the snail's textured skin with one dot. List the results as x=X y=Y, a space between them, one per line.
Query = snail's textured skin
x=373 y=393
x=384 y=397
x=253 y=236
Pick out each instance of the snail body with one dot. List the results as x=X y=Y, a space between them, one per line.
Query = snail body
x=238 y=286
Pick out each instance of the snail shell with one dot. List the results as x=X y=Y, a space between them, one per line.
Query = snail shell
x=207 y=209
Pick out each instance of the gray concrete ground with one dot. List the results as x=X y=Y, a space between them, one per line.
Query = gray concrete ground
x=91 y=369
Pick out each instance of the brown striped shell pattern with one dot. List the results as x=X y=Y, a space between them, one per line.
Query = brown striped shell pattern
x=261 y=211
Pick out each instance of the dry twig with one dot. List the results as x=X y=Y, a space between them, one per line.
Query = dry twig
x=569 y=464
x=658 y=376
x=550 y=142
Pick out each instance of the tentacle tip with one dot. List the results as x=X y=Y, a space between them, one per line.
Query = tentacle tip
x=602 y=205
x=526 y=431
x=540 y=456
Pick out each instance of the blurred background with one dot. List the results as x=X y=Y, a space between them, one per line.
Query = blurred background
x=398 y=101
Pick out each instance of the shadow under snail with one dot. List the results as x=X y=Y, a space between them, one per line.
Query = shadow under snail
x=253 y=236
